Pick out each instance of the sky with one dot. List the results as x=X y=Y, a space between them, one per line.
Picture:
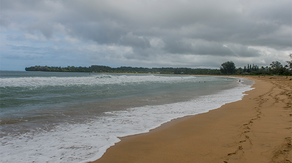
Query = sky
x=144 y=33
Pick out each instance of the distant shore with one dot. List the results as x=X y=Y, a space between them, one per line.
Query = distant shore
x=255 y=129
x=123 y=69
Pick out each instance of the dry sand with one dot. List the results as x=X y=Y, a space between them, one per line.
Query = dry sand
x=256 y=129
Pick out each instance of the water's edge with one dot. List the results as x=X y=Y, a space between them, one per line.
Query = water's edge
x=173 y=120
x=62 y=117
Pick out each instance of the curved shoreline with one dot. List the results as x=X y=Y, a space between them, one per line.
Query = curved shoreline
x=253 y=129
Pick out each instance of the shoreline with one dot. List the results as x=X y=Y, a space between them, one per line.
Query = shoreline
x=249 y=133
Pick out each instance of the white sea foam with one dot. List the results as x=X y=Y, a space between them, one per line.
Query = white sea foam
x=90 y=80
x=87 y=142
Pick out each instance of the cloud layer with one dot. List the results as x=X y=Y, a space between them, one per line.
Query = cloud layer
x=181 y=33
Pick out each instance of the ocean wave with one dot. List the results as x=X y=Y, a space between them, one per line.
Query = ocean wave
x=88 y=141
x=90 y=80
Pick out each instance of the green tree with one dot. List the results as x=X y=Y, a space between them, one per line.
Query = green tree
x=228 y=67
x=276 y=67
x=239 y=70
x=290 y=63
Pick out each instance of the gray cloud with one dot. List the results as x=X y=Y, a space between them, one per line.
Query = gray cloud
x=158 y=29
x=41 y=26
x=199 y=47
x=131 y=40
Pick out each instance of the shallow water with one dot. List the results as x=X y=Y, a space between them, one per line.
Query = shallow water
x=75 y=117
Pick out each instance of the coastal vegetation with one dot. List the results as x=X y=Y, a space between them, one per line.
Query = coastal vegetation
x=226 y=68
x=107 y=69
x=275 y=68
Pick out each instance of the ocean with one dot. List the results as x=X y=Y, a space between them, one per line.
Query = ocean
x=75 y=117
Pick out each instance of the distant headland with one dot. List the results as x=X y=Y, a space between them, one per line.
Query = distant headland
x=107 y=69
x=226 y=68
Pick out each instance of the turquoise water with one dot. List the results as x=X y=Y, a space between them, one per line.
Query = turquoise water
x=38 y=103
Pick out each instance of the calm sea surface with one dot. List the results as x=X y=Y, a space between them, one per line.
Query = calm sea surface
x=75 y=117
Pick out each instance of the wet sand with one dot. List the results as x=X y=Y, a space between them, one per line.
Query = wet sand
x=256 y=129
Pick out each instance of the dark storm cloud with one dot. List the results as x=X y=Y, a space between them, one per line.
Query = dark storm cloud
x=162 y=28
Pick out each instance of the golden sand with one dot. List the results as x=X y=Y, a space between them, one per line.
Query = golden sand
x=254 y=130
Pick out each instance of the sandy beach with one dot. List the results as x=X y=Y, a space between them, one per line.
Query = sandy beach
x=256 y=129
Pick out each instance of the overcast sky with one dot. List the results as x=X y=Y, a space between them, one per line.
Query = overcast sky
x=144 y=33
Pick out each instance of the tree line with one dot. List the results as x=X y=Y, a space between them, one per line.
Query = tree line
x=275 y=68
x=227 y=68
x=123 y=69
